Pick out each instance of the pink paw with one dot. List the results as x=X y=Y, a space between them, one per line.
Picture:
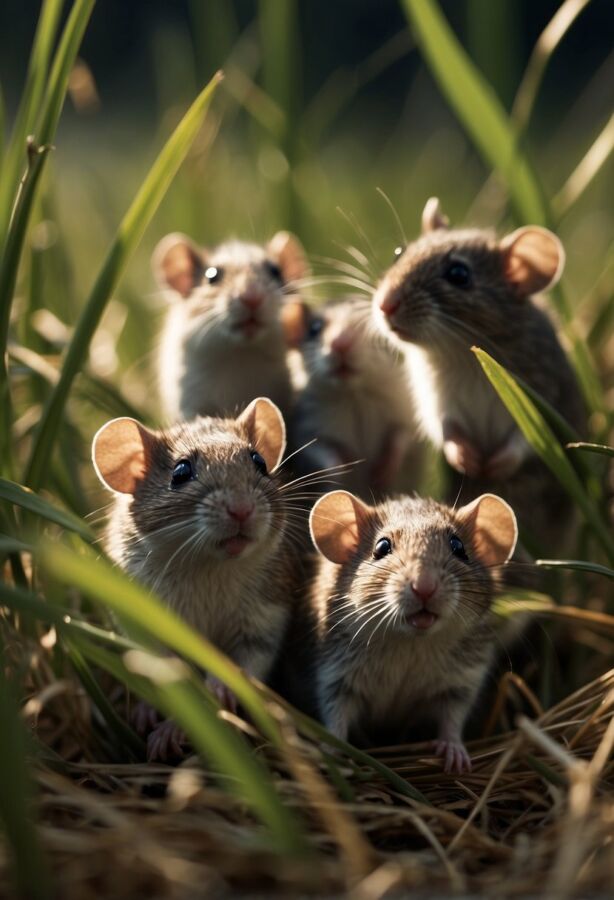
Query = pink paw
x=144 y=717
x=222 y=693
x=455 y=756
x=461 y=453
x=166 y=741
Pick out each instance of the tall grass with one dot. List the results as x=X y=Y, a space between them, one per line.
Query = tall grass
x=72 y=627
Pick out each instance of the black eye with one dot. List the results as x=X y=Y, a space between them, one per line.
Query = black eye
x=382 y=548
x=182 y=472
x=213 y=274
x=259 y=462
x=398 y=252
x=459 y=274
x=274 y=270
x=458 y=548
x=315 y=327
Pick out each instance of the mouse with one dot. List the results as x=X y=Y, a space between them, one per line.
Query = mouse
x=223 y=342
x=355 y=402
x=201 y=515
x=451 y=289
x=402 y=600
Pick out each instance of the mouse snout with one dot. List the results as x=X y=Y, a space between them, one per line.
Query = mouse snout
x=342 y=343
x=389 y=302
x=424 y=586
x=252 y=299
x=240 y=510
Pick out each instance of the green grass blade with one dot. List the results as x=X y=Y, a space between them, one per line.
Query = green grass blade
x=27 y=499
x=477 y=107
x=586 y=171
x=15 y=157
x=603 y=449
x=16 y=796
x=545 y=444
x=578 y=565
x=126 y=240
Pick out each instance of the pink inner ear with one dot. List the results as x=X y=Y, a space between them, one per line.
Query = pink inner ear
x=120 y=454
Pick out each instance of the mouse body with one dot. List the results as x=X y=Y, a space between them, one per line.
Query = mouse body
x=200 y=517
x=452 y=289
x=356 y=402
x=402 y=604
x=223 y=342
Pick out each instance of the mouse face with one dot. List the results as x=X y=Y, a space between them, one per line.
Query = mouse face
x=413 y=566
x=234 y=290
x=452 y=287
x=341 y=347
x=202 y=490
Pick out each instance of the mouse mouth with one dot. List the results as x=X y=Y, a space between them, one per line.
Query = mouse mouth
x=422 y=620
x=235 y=545
x=342 y=370
x=248 y=328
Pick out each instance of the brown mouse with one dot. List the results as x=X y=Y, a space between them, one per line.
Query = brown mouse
x=449 y=290
x=403 y=604
x=201 y=515
x=223 y=342
x=356 y=402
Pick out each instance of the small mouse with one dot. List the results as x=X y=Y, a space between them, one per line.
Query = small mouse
x=402 y=600
x=356 y=402
x=223 y=342
x=451 y=289
x=201 y=515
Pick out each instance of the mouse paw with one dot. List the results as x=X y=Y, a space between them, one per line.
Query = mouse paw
x=144 y=717
x=166 y=741
x=503 y=462
x=222 y=693
x=455 y=756
x=460 y=452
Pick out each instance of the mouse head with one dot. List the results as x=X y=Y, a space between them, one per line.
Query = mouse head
x=413 y=565
x=235 y=289
x=340 y=346
x=452 y=286
x=204 y=489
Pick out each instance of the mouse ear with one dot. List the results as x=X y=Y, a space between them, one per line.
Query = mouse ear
x=266 y=430
x=121 y=453
x=295 y=316
x=533 y=259
x=178 y=263
x=288 y=253
x=433 y=216
x=335 y=524
x=492 y=525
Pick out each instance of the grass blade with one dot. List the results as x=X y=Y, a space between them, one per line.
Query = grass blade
x=577 y=565
x=478 y=108
x=16 y=796
x=126 y=240
x=545 y=444
x=27 y=499
x=586 y=171
x=603 y=449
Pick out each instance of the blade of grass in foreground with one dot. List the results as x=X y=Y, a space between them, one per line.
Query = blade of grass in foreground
x=26 y=499
x=577 y=565
x=16 y=798
x=126 y=240
x=543 y=441
x=602 y=449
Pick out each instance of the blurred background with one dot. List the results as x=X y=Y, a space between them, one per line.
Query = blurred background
x=322 y=104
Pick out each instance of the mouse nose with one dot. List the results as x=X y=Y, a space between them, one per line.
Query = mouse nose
x=342 y=342
x=424 y=586
x=240 y=510
x=252 y=299
x=389 y=302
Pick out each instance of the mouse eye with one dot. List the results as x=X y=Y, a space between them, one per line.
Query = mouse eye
x=382 y=548
x=182 y=472
x=315 y=327
x=398 y=251
x=213 y=274
x=259 y=462
x=458 y=548
x=274 y=270
x=459 y=274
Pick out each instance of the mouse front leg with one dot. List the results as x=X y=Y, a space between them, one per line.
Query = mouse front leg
x=508 y=457
x=453 y=711
x=460 y=451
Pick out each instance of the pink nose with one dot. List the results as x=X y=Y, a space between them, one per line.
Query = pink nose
x=424 y=586
x=342 y=342
x=389 y=303
x=252 y=299
x=240 y=511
